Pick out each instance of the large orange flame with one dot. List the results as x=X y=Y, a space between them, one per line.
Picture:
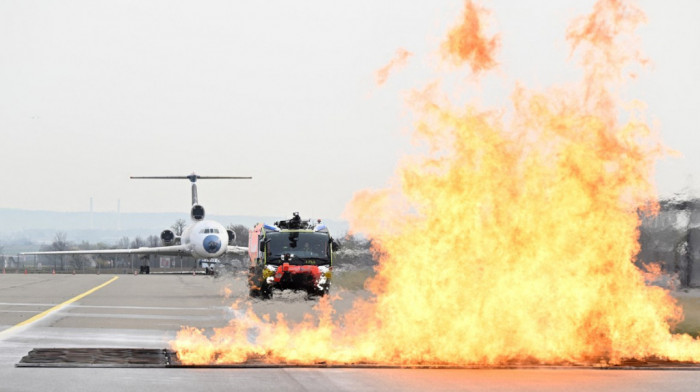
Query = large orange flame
x=504 y=244
x=467 y=42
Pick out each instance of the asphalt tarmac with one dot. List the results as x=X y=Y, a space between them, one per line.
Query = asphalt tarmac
x=146 y=311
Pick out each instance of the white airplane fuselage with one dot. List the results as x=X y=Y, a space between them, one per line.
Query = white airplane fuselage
x=205 y=239
x=201 y=239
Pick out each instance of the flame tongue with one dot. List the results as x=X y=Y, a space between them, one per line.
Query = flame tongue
x=503 y=245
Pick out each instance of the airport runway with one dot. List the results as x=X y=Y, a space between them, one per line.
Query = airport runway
x=146 y=311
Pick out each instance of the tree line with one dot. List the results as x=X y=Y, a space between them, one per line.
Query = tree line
x=355 y=251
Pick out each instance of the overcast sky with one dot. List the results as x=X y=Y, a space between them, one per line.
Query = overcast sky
x=92 y=92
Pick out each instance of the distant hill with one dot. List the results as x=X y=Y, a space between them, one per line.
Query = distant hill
x=27 y=226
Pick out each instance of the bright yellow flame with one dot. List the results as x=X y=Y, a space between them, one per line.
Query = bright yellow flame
x=505 y=244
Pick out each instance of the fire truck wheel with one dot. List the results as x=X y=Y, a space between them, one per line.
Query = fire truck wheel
x=254 y=283
x=318 y=292
x=266 y=292
x=258 y=287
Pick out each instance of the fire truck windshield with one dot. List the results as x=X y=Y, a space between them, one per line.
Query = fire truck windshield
x=299 y=245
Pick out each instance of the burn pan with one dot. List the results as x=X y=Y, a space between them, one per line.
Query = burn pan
x=97 y=357
x=165 y=358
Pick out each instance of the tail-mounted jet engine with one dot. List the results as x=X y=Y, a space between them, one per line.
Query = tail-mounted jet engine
x=167 y=237
x=197 y=212
x=231 y=237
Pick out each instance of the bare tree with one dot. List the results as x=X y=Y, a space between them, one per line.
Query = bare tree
x=123 y=243
x=103 y=261
x=241 y=234
x=137 y=243
x=179 y=226
x=352 y=242
x=60 y=243
x=355 y=251
x=78 y=262
x=153 y=240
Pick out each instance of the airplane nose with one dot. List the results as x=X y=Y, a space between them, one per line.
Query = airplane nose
x=212 y=244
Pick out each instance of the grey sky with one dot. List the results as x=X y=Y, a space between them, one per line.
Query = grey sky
x=93 y=92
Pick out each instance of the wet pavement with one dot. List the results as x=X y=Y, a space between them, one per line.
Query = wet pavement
x=143 y=313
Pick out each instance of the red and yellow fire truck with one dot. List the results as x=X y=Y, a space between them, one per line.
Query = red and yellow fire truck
x=291 y=254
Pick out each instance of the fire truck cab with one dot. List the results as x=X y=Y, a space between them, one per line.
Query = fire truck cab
x=291 y=254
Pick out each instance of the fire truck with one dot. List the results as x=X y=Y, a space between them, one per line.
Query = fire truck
x=292 y=254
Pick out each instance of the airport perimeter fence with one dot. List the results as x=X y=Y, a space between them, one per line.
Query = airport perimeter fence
x=40 y=264
x=345 y=260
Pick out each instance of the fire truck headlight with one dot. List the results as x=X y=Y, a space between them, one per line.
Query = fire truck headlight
x=269 y=271
x=325 y=274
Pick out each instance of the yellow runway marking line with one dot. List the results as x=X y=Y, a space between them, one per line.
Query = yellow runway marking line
x=57 y=307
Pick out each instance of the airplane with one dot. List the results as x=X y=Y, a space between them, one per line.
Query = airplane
x=201 y=239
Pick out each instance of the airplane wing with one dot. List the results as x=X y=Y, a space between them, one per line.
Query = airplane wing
x=175 y=250
x=237 y=249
